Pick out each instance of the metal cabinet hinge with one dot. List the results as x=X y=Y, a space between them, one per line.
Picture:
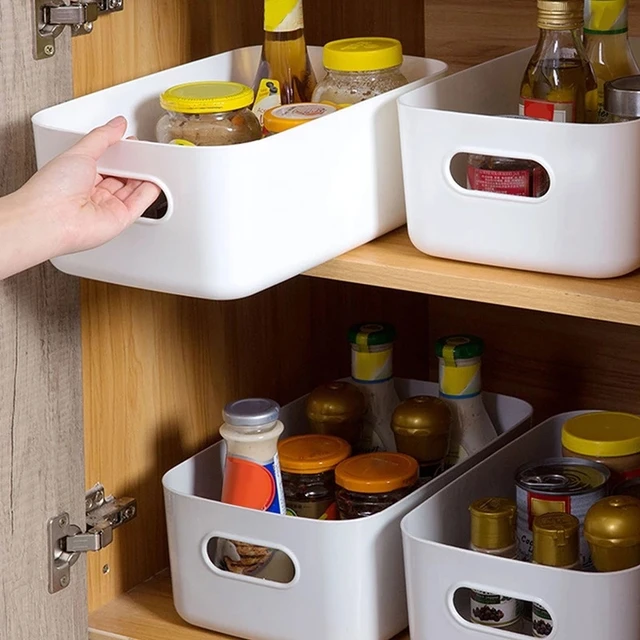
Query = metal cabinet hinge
x=67 y=541
x=52 y=16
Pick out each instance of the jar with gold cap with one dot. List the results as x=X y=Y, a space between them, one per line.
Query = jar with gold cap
x=422 y=428
x=337 y=409
x=556 y=543
x=493 y=532
x=308 y=465
x=612 y=529
x=609 y=437
x=359 y=69
x=371 y=482
x=204 y=114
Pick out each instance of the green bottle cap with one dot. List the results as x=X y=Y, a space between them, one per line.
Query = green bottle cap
x=460 y=347
x=372 y=334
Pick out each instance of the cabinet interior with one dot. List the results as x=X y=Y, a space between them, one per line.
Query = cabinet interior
x=157 y=369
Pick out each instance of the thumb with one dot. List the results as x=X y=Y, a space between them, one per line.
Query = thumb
x=96 y=142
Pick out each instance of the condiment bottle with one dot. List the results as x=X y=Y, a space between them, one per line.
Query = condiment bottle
x=422 y=428
x=612 y=529
x=493 y=532
x=337 y=409
x=622 y=99
x=559 y=83
x=556 y=543
x=460 y=359
x=372 y=373
x=308 y=474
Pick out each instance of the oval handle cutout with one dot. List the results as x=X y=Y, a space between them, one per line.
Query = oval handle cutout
x=250 y=560
x=158 y=209
x=495 y=174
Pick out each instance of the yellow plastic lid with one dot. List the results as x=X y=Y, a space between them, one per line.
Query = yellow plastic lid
x=206 y=97
x=606 y=434
x=377 y=472
x=278 y=119
x=312 y=453
x=362 y=54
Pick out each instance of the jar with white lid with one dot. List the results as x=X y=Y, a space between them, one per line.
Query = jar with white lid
x=359 y=69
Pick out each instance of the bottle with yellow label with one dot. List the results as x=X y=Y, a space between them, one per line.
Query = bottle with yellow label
x=372 y=373
x=285 y=58
x=606 y=29
x=460 y=358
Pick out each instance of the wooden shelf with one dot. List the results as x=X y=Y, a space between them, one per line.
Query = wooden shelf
x=147 y=613
x=393 y=262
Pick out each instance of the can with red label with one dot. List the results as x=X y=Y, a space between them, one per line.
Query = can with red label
x=557 y=485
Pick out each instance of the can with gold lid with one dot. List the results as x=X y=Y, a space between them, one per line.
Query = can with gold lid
x=308 y=465
x=422 y=429
x=371 y=482
x=612 y=529
x=609 y=437
x=337 y=409
x=493 y=532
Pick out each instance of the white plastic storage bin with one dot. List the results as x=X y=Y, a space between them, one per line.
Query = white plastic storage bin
x=588 y=606
x=588 y=223
x=245 y=217
x=349 y=582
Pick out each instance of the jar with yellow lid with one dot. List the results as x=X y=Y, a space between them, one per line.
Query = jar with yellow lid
x=612 y=529
x=608 y=437
x=207 y=114
x=359 y=69
x=289 y=116
x=338 y=409
x=371 y=482
x=308 y=474
x=422 y=429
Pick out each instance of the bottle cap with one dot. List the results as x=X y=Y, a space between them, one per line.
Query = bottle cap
x=622 y=97
x=459 y=347
x=493 y=523
x=251 y=412
x=377 y=472
x=312 y=453
x=336 y=402
x=206 y=97
x=556 y=542
x=371 y=334
x=362 y=54
x=560 y=15
x=288 y=116
x=605 y=434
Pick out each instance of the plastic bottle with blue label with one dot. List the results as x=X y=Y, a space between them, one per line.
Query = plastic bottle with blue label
x=460 y=360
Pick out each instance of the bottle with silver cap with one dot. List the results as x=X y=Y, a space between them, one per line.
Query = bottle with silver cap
x=622 y=99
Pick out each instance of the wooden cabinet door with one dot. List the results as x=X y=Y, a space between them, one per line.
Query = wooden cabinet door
x=41 y=439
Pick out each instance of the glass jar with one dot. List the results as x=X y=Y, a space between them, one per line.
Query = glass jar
x=289 y=116
x=622 y=99
x=208 y=114
x=308 y=474
x=359 y=69
x=511 y=176
x=371 y=482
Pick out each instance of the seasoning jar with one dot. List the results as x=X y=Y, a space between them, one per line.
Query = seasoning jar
x=608 y=437
x=371 y=482
x=359 y=69
x=612 y=529
x=337 y=409
x=208 y=114
x=622 y=99
x=308 y=474
x=422 y=429
x=289 y=116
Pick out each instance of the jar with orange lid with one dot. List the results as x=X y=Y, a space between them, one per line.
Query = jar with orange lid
x=308 y=464
x=371 y=482
x=289 y=116
x=608 y=437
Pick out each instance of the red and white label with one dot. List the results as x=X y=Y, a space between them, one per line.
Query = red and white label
x=544 y=110
x=513 y=183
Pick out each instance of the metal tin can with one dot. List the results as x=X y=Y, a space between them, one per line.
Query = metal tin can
x=562 y=485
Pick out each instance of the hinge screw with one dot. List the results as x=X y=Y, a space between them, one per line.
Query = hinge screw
x=63 y=522
x=48 y=49
x=64 y=581
x=105 y=569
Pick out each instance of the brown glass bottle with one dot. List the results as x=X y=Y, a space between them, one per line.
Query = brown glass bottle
x=284 y=54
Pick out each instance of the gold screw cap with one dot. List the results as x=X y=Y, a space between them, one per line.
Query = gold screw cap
x=493 y=523
x=560 y=15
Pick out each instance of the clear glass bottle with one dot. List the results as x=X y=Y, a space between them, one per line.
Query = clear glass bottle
x=284 y=54
x=622 y=99
x=460 y=359
x=559 y=83
x=606 y=27
x=372 y=373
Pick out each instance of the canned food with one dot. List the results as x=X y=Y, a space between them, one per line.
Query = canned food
x=557 y=485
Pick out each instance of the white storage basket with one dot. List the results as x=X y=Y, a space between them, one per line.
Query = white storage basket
x=349 y=582
x=245 y=217
x=588 y=223
x=588 y=606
